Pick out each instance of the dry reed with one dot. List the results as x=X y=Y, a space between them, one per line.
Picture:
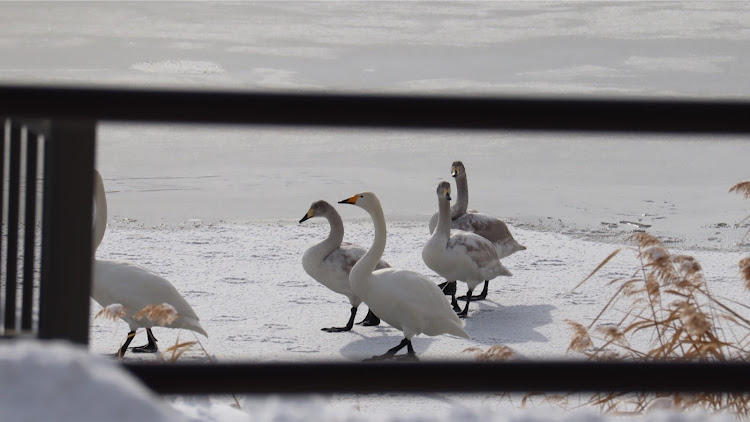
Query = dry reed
x=111 y=312
x=163 y=314
x=674 y=314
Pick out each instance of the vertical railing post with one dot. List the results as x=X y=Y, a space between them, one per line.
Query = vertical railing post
x=29 y=223
x=11 y=260
x=69 y=153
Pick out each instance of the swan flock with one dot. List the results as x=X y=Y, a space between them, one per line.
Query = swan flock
x=464 y=246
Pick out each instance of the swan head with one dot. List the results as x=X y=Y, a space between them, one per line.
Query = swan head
x=444 y=191
x=317 y=209
x=458 y=169
x=366 y=200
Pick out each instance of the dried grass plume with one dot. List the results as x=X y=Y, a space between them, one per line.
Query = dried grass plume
x=742 y=188
x=111 y=312
x=163 y=314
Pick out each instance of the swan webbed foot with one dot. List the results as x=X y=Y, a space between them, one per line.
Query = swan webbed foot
x=391 y=353
x=348 y=326
x=336 y=329
x=146 y=348
x=371 y=320
x=480 y=296
x=151 y=347
x=477 y=297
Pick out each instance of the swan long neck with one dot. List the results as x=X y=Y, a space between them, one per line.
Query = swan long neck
x=335 y=236
x=366 y=265
x=443 y=227
x=100 y=211
x=462 y=197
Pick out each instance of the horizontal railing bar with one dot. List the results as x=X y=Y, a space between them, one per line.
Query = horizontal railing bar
x=690 y=116
x=430 y=377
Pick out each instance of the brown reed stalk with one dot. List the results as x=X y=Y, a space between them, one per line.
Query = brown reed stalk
x=670 y=303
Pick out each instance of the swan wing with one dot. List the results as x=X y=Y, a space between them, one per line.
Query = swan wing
x=412 y=303
x=492 y=229
x=480 y=251
x=135 y=288
x=354 y=253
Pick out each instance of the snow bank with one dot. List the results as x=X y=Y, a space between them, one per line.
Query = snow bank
x=54 y=381
x=45 y=381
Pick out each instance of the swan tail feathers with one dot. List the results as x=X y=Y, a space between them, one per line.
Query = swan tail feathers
x=459 y=331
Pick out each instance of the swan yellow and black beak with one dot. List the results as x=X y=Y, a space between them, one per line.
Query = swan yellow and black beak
x=447 y=193
x=455 y=171
x=352 y=200
x=310 y=214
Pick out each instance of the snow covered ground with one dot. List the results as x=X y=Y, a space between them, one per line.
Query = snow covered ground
x=215 y=209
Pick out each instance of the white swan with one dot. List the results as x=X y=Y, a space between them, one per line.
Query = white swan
x=133 y=287
x=492 y=229
x=460 y=255
x=404 y=299
x=330 y=261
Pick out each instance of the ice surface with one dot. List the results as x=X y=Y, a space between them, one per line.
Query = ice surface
x=214 y=209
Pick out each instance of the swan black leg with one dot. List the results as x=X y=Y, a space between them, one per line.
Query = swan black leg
x=480 y=296
x=348 y=327
x=370 y=320
x=449 y=288
x=465 y=312
x=392 y=352
x=410 y=353
x=124 y=348
x=151 y=347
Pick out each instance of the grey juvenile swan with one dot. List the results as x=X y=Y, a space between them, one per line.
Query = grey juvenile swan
x=330 y=261
x=460 y=255
x=492 y=229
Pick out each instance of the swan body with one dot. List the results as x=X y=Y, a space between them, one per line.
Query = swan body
x=405 y=299
x=134 y=287
x=460 y=255
x=330 y=261
x=491 y=228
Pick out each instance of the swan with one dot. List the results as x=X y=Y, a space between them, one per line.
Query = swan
x=134 y=287
x=330 y=261
x=404 y=299
x=484 y=225
x=460 y=255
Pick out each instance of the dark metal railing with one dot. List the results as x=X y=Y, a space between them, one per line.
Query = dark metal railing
x=393 y=111
x=72 y=113
x=55 y=288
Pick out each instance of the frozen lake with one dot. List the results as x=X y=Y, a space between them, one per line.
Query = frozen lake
x=215 y=209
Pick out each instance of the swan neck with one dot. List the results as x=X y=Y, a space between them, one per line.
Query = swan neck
x=100 y=211
x=443 y=227
x=366 y=265
x=462 y=197
x=335 y=236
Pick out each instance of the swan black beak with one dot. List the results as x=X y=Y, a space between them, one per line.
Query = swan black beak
x=307 y=216
x=454 y=172
x=352 y=200
x=448 y=196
